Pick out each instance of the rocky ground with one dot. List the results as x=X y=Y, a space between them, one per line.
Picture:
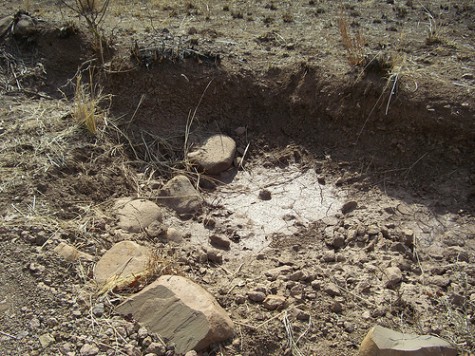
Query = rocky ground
x=305 y=168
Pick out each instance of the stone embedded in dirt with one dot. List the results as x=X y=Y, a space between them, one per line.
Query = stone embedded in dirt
x=381 y=341
x=215 y=156
x=214 y=256
x=392 y=276
x=274 y=273
x=89 y=350
x=329 y=256
x=256 y=296
x=71 y=253
x=456 y=254
x=124 y=259
x=136 y=215
x=265 y=194
x=330 y=220
x=332 y=290
x=174 y=235
x=220 y=241
x=274 y=302
x=181 y=311
x=46 y=340
x=180 y=195
x=349 y=206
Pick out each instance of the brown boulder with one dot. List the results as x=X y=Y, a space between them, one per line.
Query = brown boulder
x=181 y=311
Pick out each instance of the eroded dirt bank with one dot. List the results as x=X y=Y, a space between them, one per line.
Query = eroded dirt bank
x=353 y=204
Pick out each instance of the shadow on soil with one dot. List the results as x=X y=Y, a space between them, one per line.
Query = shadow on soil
x=426 y=153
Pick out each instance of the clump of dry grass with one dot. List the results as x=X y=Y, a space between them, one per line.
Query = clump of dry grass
x=86 y=107
x=161 y=262
x=354 y=45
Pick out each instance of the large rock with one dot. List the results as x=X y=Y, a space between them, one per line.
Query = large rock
x=386 y=342
x=124 y=259
x=181 y=311
x=215 y=156
x=136 y=215
x=180 y=195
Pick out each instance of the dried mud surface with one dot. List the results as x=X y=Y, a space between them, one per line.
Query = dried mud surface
x=319 y=132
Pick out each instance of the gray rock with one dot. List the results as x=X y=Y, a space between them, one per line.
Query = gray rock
x=274 y=273
x=124 y=259
x=392 y=276
x=136 y=215
x=71 y=253
x=273 y=302
x=332 y=289
x=256 y=296
x=386 y=342
x=215 y=155
x=180 y=195
x=181 y=311
x=46 y=340
x=89 y=350
x=349 y=206
x=220 y=241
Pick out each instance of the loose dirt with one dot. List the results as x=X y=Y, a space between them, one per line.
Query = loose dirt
x=353 y=159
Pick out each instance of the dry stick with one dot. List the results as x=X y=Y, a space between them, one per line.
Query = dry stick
x=355 y=295
x=189 y=121
x=9 y=335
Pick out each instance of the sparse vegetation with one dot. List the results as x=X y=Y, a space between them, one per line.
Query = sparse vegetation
x=354 y=44
x=87 y=100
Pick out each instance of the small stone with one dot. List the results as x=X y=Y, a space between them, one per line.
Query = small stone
x=98 y=309
x=349 y=206
x=349 y=327
x=336 y=307
x=273 y=302
x=256 y=296
x=89 y=350
x=274 y=273
x=393 y=276
x=456 y=254
x=296 y=276
x=220 y=241
x=174 y=235
x=330 y=220
x=241 y=130
x=156 y=348
x=373 y=230
x=46 y=340
x=265 y=194
x=329 y=256
x=142 y=333
x=215 y=156
x=316 y=285
x=301 y=315
x=191 y=353
x=214 y=256
x=332 y=289
x=297 y=291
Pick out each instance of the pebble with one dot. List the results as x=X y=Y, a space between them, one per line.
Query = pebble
x=46 y=340
x=393 y=276
x=332 y=289
x=256 y=296
x=89 y=350
x=220 y=241
x=349 y=206
x=98 y=309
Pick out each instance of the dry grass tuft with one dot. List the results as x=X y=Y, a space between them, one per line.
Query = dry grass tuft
x=87 y=99
x=161 y=262
x=354 y=45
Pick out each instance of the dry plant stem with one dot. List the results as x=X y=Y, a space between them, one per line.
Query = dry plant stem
x=190 y=120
